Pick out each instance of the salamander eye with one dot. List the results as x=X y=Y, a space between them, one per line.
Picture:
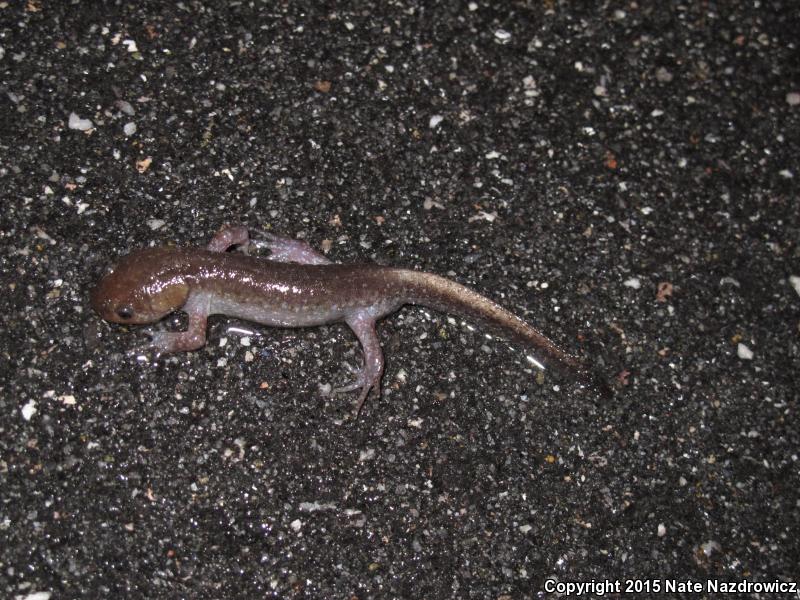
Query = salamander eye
x=125 y=312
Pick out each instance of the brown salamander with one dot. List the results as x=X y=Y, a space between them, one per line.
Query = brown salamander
x=295 y=286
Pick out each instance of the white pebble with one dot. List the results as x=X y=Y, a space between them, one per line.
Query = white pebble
x=662 y=530
x=483 y=216
x=729 y=281
x=430 y=203
x=633 y=282
x=296 y=524
x=129 y=129
x=125 y=107
x=435 y=120
x=29 y=410
x=502 y=35
x=710 y=547
x=793 y=98
x=663 y=75
x=744 y=352
x=75 y=122
x=795 y=281
x=36 y=596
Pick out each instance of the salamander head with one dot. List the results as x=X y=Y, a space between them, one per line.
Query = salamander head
x=143 y=287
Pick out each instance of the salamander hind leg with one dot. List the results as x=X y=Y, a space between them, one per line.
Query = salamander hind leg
x=369 y=377
x=227 y=236
x=283 y=249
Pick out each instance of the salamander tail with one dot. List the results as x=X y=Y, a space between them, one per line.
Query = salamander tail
x=439 y=293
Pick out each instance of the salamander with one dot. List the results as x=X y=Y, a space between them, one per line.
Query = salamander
x=296 y=286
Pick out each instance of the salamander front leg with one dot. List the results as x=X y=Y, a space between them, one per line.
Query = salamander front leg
x=370 y=375
x=167 y=342
x=227 y=236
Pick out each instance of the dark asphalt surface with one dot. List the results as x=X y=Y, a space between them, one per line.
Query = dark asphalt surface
x=624 y=176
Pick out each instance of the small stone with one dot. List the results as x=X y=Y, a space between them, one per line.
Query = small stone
x=36 y=596
x=144 y=164
x=710 y=547
x=68 y=399
x=633 y=283
x=75 y=122
x=125 y=107
x=29 y=410
x=502 y=36
x=744 y=352
x=795 y=281
x=663 y=75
